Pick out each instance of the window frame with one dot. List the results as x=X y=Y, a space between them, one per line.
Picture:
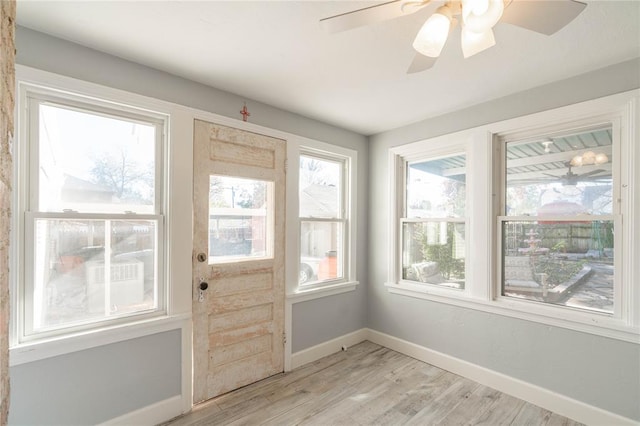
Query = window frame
x=342 y=219
x=297 y=292
x=31 y=96
x=453 y=148
x=484 y=201
x=616 y=216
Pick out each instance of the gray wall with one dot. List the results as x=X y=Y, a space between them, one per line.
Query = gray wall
x=312 y=322
x=98 y=384
x=597 y=370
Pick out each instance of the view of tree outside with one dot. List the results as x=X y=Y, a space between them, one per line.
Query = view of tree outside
x=434 y=247
x=129 y=180
x=87 y=269
x=90 y=161
x=236 y=193
x=558 y=235
x=238 y=218
x=322 y=225
x=432 y=193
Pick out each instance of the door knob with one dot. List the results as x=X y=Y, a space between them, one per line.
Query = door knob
x=204 y=286
x=201 y=257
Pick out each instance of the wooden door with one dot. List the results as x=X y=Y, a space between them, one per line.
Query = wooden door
x=238 y=258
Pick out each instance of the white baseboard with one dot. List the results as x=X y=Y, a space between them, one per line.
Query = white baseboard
x=316 y=352
x=151 y=414
x=549 y=400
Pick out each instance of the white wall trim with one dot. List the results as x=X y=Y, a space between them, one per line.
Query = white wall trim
x=329 y=347
x=30 y=352
x=549 y=400
x=151 y=414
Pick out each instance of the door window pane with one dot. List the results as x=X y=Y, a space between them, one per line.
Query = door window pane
x=240 y=219
x=94 y=163
x=88 y=270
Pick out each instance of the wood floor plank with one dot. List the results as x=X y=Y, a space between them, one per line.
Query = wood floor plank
x=501 y=411
x=476 y=403
x=366 y=385
x=532 y=415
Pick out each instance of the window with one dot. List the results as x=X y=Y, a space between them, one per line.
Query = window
x=533 y=218
x=323 y=219
x=240 y=219
x=558 y=221
x=93 y=223
x=433 y=226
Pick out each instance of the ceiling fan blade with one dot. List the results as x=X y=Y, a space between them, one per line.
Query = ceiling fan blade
x=370 y=15
x=542 y=16
x=591 y=173
x=421 y=63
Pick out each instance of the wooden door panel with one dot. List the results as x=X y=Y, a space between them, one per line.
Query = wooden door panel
x=239 y=322
x=242 y=318
x=240 y=373
x=226 y=354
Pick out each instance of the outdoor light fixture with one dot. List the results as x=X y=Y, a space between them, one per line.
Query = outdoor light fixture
x=588 y=158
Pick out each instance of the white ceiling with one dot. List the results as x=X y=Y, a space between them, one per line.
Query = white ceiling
x=275 y=52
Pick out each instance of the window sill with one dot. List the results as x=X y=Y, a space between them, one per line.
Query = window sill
x=303 y=295
x=592 y=323
x=42 y=349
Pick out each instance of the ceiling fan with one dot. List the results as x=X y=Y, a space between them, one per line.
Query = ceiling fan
x=571 y=179
x=477 y=18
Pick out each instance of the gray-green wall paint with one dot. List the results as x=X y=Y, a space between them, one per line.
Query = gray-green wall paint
x=312 y=324
x=97 y=384
x=596 y=370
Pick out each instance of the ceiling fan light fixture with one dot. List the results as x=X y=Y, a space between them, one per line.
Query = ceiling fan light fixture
x=602 y=158
x=576 y=161
x=589 y=157
x=473 y=42
x=478 y=18
x=433 y=34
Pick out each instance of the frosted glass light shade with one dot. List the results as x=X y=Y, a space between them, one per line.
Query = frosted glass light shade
x=433 y=34
x=473 y=43
x=602 y=158
x=479 y=19
x=477 y=7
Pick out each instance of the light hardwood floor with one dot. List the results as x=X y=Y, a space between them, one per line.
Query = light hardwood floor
x=366 y=385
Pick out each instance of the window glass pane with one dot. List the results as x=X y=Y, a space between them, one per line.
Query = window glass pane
x=94 y=163
x=566 y=175
x=240 y=219
x=568 y=263
x=320 y=187
x=321 y=256
x=436 y=188
x=90 y=270
x=434 y=253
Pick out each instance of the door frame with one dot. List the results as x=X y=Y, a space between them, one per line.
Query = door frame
x=183 y=125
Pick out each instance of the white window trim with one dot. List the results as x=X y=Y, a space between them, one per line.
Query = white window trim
x=443 y=148
x=482 y=293
x=177 y=307
x=297 y=146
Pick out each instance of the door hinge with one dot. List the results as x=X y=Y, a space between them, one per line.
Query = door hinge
x=286 y=165
x=284 y=339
